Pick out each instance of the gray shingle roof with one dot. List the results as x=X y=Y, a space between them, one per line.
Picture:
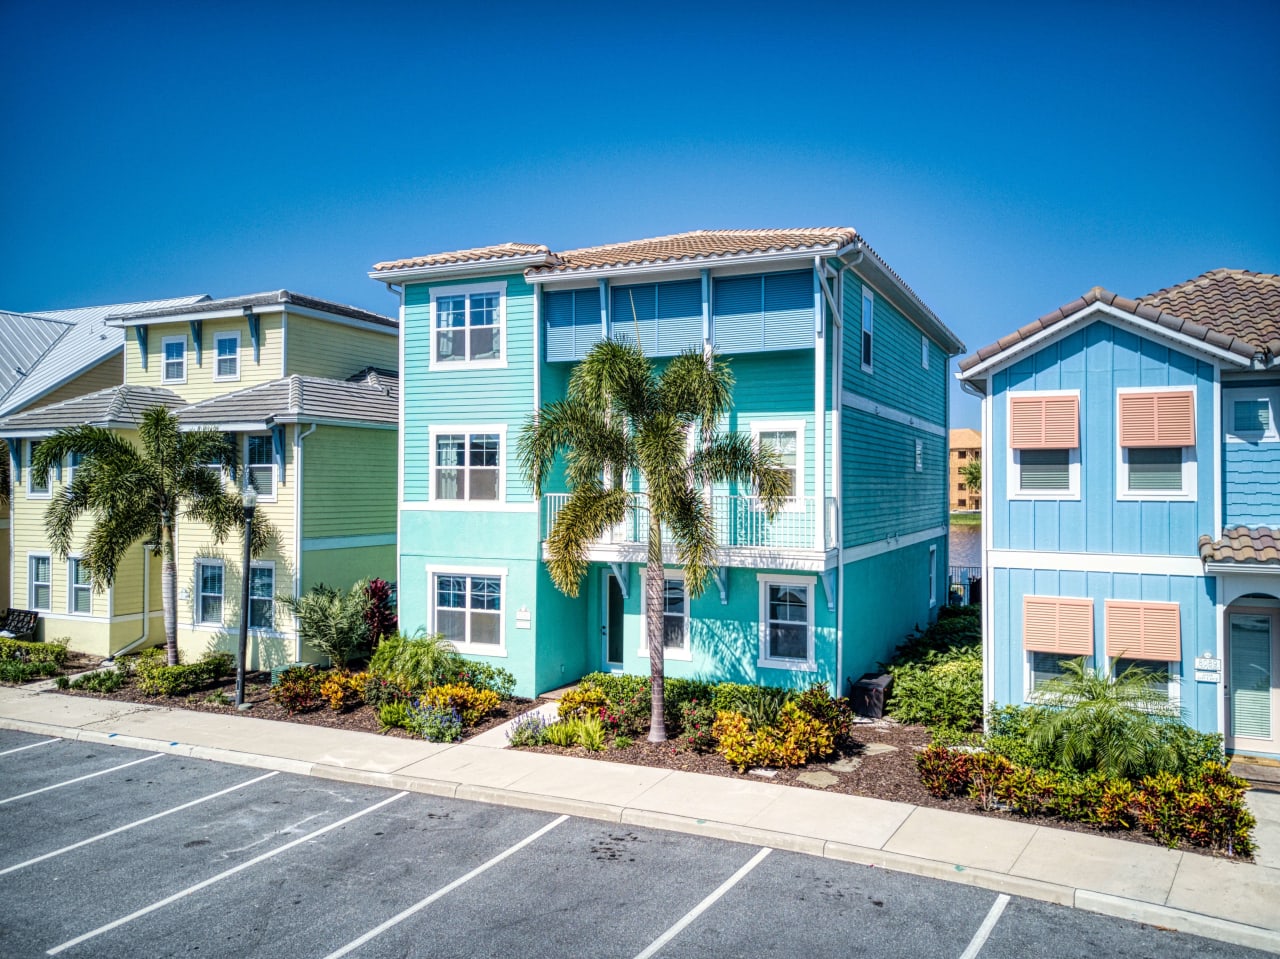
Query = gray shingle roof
x=272 y=298
x=371 y=396
x=120 y=406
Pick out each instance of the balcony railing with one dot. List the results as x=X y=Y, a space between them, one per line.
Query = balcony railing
x=740 y=521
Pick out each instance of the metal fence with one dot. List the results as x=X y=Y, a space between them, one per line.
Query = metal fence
x=964 y=585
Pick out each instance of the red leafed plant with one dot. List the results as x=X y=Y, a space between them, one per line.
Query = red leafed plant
x=380 y=614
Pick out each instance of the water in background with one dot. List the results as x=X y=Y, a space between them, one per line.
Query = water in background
x=966 y=546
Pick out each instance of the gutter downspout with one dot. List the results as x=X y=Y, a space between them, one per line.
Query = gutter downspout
x=146 y=614
x=298 y=437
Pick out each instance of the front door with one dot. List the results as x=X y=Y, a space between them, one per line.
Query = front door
x=611 y=622
x=1253 y=702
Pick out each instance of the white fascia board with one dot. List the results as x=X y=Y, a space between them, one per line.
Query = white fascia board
x=1228 y=568
x=1094 y=311
x=334 y=421
x=415 y=274
x=892 y=288
x=803 y=258
x=1096 y=562
x=238 y=313
x=241 y=426
x=339 y=320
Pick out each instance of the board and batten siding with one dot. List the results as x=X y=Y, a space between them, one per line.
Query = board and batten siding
x=349 y=486
x=200 y=383
x=321 y=348
x=1098 y=360
x=458 y=397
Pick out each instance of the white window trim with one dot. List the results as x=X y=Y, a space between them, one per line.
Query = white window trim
x=924 y=352
x=686 y=653
x=796 y=503
x=1013 y=459
x=72 y=587
x=867 y=327
x=919 y=460
x=1270 y=396
x=197 y=593
x=472 y=649
x=165 y=341
x=47 y=492
x=469 y=505
x=1173 y=672
x=69 y=470
x=259 y=630
x=31 y=583
x=1029 y=695
x=217 y=338
x=1188 y=491
x=263 y=497
x=466 y=290
x=809 y=664
x=933 y=576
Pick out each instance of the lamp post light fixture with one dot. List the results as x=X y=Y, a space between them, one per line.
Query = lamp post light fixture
x=250 y=504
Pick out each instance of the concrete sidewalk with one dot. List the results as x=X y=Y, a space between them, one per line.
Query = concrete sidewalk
x=1229 y=901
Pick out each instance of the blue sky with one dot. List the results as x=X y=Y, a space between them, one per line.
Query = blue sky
x=1002 y=157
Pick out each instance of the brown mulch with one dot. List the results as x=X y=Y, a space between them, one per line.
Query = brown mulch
x=257 y=687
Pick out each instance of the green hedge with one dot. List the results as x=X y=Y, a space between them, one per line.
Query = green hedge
x=937 y=674
x=157 y=679
x=21 y=651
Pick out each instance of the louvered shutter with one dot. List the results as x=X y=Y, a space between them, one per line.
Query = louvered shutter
x=1053 y=624
x=1137 y=630
x=1044 y=422
x=1158 y=419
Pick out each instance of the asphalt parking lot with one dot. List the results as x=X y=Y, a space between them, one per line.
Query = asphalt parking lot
x=111 y=852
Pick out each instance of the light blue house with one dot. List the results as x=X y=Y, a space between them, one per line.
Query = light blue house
x=1132 y=494
x=839 y=365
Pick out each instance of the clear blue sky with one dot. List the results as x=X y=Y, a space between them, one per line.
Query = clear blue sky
x=1002 y=157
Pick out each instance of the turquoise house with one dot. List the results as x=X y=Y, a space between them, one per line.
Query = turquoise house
x=1132 y=497
x=839 y=365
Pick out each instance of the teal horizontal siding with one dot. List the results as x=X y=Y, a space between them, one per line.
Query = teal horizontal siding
x=770 y=311
x=884 y=495
x=1251 y=484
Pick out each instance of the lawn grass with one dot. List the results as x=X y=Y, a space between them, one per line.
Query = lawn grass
x=966 y=519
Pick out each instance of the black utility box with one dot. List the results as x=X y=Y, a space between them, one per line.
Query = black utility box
x=868 y=694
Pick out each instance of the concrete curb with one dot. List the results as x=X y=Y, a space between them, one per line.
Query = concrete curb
x=1133 y=910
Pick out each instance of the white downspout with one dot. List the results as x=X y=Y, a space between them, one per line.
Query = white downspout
x=819 y=411
x=298 y=437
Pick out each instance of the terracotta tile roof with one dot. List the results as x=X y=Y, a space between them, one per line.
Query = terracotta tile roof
x=965 y=439
x=479 y=254
x=1234 y=310
x=1243 y=544
x=695 y=246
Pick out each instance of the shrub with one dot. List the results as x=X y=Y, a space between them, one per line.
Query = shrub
x=471 y=704
x=623 y=742
x=299 y=689
x=416 y=662
x=329 y=621
x=486 y=676
x=583 y=701
x=761 y=705
x=528 y=730
x=157 y=679
x=379 y=612
x=944 y=772
x=22 y=651
x=17 y=671
x=343 y=690
x=697 y=719
x=395 y=714
x=378 y=691
x=590 y=733
x=563 y=733
x=793 y=741
x=626 y=709
x=102 y=681
x=940 y=690
x=835 y=714
x=678 y=692
x=434 y=723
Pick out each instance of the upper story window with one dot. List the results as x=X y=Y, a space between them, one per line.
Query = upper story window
x=786 y=438
x=786 y=622
x=1156 y=435
x=37 y=486
x=1044 y=445
x=467 y=326
x=173 y=367
x=1251 y=415
x=73 y=464
x=226 y=350
x=868 y=327
x=209 y=583
x=260 y=465
x=467 y=465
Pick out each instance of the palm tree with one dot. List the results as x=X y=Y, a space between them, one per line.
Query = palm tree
x=972 y=473
x=136 y=495
x=622 y=416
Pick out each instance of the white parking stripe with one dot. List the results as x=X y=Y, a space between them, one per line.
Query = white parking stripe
x=132 y=825
x=980 y=937
x=80 y=779
x=44 y=742
x=418 y=906
x=703 y=906
x=116 y=924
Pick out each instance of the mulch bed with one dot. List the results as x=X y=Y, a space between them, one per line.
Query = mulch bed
x=76 y=663
x=257 y=686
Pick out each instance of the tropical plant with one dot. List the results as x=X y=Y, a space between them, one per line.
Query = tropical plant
x=415 y=662
x=380 y=614
x=1094 y=720
x=137 y=494
x=972 y=474
x=620 y=417
x=330 y=622
x=4 y=481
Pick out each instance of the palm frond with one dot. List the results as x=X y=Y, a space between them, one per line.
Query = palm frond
x=586 y=515
x=161 y=437
x=734 y=458
x=590 y=443
x=693 y=534
x=698 y=386
x=615 y=377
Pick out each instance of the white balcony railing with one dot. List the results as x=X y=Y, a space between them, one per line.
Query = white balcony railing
x=740 y=521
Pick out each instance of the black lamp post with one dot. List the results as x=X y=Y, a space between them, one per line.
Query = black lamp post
x=250 y=504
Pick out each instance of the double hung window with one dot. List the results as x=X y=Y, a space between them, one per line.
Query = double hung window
x=1044 y=445
x=226 y=349
x=260 y=465
x=173 y=359
x=79 y=587
x=467 y=326
x=262 y=590
x=466 y=466
x=37 y=486
x=786 y=622
x=468 y=609
x=40 y=583
x=1157 y=438
x=209 y=585
x=786 y=439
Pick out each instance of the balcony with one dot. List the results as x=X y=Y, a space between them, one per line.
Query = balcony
x=745 y=533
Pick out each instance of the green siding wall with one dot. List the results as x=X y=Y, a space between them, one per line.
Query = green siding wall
x=349 y=486
x=341 y=568
x=884 y=495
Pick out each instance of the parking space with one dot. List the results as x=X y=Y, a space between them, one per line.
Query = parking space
x=181 y=857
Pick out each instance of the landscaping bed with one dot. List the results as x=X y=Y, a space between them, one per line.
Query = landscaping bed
x=26 y=662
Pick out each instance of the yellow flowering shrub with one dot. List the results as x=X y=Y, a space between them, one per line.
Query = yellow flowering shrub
x=472 y=704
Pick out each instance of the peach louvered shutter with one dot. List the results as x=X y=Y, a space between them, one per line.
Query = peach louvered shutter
x=1143 y=630
x=1044 y=422
x=1158 y=419
x=1051 y=624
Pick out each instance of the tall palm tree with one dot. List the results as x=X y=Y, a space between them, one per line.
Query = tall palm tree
x=621 y=416
x=972 y=473
x=137 y=495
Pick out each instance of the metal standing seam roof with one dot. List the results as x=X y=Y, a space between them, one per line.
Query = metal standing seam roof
x=1242 y=544
x=85 y=342
x=372 y=395
x=23 y=340
x=251 y=300
x=1233 y=310
x=120 y=406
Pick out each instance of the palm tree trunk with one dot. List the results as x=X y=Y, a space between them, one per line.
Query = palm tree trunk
x=653 y=595
x=169 y=592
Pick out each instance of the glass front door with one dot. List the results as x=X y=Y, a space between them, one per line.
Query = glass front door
x=1251 y=677
x=611 y=622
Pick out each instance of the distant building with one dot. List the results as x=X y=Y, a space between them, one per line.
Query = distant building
x=966 y=446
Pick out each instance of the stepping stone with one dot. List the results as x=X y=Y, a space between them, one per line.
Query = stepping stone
x=878 y=749
x=846 y=765
x=820 y=779
x=760 y=771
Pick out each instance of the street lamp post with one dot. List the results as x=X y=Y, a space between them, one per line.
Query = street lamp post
x=250 y=503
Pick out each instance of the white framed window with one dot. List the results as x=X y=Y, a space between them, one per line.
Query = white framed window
x=210 y=581
x=1151 y=472
x=260 y=465
x=787 y=439
x=262 y=593
x=868 y=329
x=38 y=487
x=919 y=456
x=468 y=326
x=173 y=359
x=467 y=464
x=226 y=356
x=1043 y=453
x=786 y=621
x=924 y=352
x=466 y=608
x=40 y=582
x=1042 y=667
x=675 y=617
x=1251 y=415
x=73 y=464
x=1166 y=675
x=79 y=587
x=933 y=576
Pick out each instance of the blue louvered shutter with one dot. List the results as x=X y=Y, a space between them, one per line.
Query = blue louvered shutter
x=788 y=310
x=558 y=307
x=587 y=330
x=739 y=314
x=633 y=316
x=679 y=317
